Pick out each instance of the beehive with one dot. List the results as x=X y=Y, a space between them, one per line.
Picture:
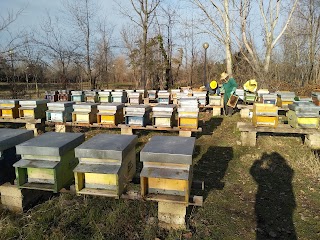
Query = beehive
x=52 y=96
x=174 y=95
x=104 y=96
x=143 y=92
x=135 y=98
x=285 y=98
x=265 y=115
x=303 y=114
x=33 y=109
x=163 y=115
x=164 y=97
x=181 y=95
x=64 y=95
x=261 y=92
x=249 y=97
x=9 y=108
x=214 y=100
x=77 y=96
x=240 y=93
x=47 y=161
x=316 y=98
x=59 y=111
x=119 y=96
x=107 y=162
x=9 y=138
x=85 y=113
x=270 y=98
x=167 y=168
x=188 y=113
x=152 y=95
x=201 y=96
x=91 y=96
x=110 y=113
x=137 y=115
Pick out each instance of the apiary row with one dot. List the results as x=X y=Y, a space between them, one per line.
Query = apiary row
x=132 y=96
x=102 y=165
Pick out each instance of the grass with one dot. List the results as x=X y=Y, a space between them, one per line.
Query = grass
x=266 y=192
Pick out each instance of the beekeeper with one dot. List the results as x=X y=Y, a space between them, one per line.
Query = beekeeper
x=229 y=86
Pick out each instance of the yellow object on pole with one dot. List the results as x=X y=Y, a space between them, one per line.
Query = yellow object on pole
x=251 y=85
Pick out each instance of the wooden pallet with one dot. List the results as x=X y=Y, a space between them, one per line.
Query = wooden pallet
x=249 y=133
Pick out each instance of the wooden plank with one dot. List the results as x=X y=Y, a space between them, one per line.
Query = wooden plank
x=20 y=120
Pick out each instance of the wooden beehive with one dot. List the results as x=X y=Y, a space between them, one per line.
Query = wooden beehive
x=316 y=98
x=47 y=161
x=303 y=114
x=285 y=98
x=167 y=168
x=201 y=96
x=270 y=98
x=152 y=95
x=164 y=97
x=104 y=96
x=135 y=98
x=250 y=97
x=59 y=111
x=164 y=115
x=107 y=162
x=33 y=109
x=214 y=100
x=9 y=138
x=64 y=95
x=9 y=108
x=52 y=96
x=91 y=96
x=119 y=96
x=77 y=96
x=85 y=113
x=110 y=113
x=265 y=115
x=137 y=115
x=188 y=113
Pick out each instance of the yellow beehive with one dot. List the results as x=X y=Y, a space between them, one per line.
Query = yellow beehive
x=296 y=121
x=261 y=121
x=265 y=115
x=110 y=113
x=33 y=109
x=9 y=108
x=85 y=113
x=107 y=162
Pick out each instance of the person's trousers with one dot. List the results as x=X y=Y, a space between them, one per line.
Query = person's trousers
x=227 y=109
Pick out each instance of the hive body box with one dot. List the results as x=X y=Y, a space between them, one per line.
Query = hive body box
x=167 y=168
x=269 y=98
x=9 y=108
x=33 y=109
x=119 y=96
x=91 y=96
x=137 y=115
x=249 y=97
x=316 y=98
x=9 y=138
x=47 y=161
x=240 y=94
x=77 y=96
x=163 y=115
x=152 y=95
x=85 y=113
x=104 y=96
x=110 y=113
x=285 y=98
x=107 y=163
x=164 y=97
x=201 y=96
x=265 y=115
x=59 y=111
x=188 y=113
x=143 y=92
x=214 y=100
x=135 y=97
x=303 y=114
x=64 y=95
x=52 y=96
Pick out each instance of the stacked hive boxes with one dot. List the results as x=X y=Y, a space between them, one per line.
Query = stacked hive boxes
x=85 y=113
x=47 y=161
x=152 y=95
x=110 y=113
x=167 y=168
x=265 y=115
x=143 y=92
x=174 y=95
x=91 y=96
x=9 y=138
x=164 y=97
x=33 y=109
x=261 y=92
x=214 y=100
x=135 y=98
x=64 y=95
x=119 y=96
x=201 y=96
x=137 y=115
x=240 y=94
x=107 y=164
x=9 y=108
x=250 y=97
x=104 y=96
x=59 y=111
x=270 y=98
x=285 y=98
x=77 y=96
x=163 y=115
x=52 y=96
x=303 y=115
x=188 y=113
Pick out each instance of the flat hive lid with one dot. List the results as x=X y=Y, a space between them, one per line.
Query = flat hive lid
x=153 y=172
x=134 y=94
x=110 y=106
x=60 y=104
x=51 y=144
x=168 y=149
x=107 y=146
x=36 y=164
x=138 y=108
x=33 y=102
x=164 y=108
x=84 y=105
x=10 y=101
x=304 y=106
x=152 y=91
x=12 y=137
x=97 y=168
x=76 y=92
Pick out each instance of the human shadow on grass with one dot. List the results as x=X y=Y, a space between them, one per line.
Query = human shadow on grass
x=212 y=167
x=275 y=200
x=209 y=126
